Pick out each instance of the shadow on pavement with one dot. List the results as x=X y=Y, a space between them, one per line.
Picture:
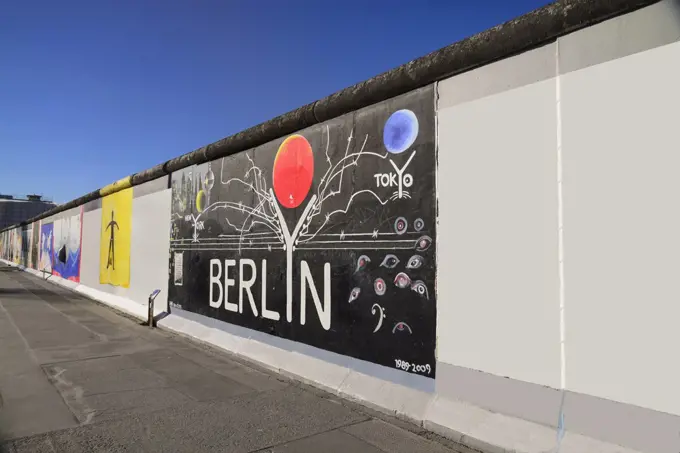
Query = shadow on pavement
x=156 y=318
x=4 y=443
x=19 y=291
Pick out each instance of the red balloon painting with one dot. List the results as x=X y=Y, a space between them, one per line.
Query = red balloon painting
x=293 y=171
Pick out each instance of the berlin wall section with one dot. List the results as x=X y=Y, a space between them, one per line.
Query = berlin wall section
x=325 y=237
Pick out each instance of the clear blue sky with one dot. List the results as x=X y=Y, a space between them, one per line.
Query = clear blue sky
x=94 y=90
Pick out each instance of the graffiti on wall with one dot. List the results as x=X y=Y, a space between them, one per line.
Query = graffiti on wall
x=324 y=237
x=67 y=244
x=25 y=246
x=17 y=247
x=114 y=243
x=5 y=245
x=35 y=245
x=28 y=245
x=46 y=247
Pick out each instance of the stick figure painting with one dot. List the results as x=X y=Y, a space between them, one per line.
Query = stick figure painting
x=114 y=244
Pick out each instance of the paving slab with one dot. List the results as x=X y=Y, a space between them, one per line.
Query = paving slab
x=329 y=442
x=391 y=438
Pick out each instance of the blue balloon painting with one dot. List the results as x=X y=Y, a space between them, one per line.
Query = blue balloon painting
x=401 y=130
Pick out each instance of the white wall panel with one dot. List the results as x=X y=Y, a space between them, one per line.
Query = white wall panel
x=622 y=224
x=498 y=305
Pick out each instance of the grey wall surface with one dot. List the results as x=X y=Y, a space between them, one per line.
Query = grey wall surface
x=498 y=204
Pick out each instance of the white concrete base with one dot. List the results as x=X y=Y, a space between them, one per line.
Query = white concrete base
x=464 y=423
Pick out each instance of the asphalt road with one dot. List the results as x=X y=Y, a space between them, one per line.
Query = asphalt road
x=76 y=376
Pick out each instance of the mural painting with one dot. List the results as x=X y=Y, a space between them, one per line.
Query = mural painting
x=9 y=248
x=5 y=245
x=46 y=247
x=114 y=243
x=67 y=243
x=16 y=243
x=325 y=237
x=25 y=245
x=29 y=240
x=35 y=245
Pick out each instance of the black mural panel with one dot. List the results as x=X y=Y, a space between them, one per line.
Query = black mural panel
x=325 y=237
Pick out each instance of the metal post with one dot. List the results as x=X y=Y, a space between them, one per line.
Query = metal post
x=152 y=297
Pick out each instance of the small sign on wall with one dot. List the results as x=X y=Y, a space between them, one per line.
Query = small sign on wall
x=179 y=268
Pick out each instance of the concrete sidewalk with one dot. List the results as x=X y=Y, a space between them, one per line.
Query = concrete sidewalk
x=76 y=376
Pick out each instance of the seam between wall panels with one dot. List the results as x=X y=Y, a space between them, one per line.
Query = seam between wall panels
x=560 y=246
x=436 y=215
x=560 y=220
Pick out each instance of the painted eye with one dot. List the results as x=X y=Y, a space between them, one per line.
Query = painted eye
x=379 y=286
x=414 y=262
x=419 y=224
x=400 y=225
x=354 y=294
x=401 y=326
x=423 y=243
x=402 y=280
x=420 y=287
x=362 y=262
x=390 y=261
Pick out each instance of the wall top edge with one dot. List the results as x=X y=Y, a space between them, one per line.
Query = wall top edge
x=121 y=184
x=534 y=29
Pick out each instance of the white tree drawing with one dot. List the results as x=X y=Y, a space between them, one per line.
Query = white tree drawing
x=263 y=226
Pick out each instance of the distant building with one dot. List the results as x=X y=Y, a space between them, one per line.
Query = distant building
x=14 y=210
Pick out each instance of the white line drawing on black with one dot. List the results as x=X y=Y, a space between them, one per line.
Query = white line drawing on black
x=266 y=211
x=402 y=327
x=419 y=287
x=354 y=295
x=390 y=261
x=259 y=223
x=380 y=317
x=400 y=225
x=415 y=262
x=400 y=179
x=379 y=286
x=402 y=280
x=405 y=180
x=423 y=243
x=362 y=262
x=418 y=224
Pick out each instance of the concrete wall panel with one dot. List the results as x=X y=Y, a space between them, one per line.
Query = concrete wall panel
x=504 y=75
x=648 y=28
x=89 y=272
x=150 y=243
x=621 y=228
x=497 y=272
x=150 y=247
